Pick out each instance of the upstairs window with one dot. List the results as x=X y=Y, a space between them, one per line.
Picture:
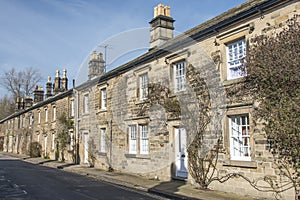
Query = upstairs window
x=54 y=113
x=103 y=98
x=46 y=115
x=143 y=86
x=240 y=137
x=236 y=53
x=31 y=119
x=86 y=104
x=179 y=76
x=72 y=108
x=39 y=116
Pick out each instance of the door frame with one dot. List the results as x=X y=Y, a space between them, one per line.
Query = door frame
x=181 y=157
x=85 y=147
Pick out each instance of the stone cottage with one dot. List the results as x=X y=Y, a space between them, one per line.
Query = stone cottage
x=142 y=116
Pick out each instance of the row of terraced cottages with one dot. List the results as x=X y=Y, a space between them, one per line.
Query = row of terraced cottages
x=115 y=122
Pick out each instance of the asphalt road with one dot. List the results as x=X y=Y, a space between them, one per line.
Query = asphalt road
x=20 y=180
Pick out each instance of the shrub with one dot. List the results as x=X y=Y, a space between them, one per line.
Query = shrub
x=35 y=149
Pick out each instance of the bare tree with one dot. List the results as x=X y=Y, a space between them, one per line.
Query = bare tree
x=6 y=106
x=20 y=83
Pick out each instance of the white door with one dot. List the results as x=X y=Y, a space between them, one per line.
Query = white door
x=86 y=148
x=181 y=153
x=45 y=146
x=10 y=143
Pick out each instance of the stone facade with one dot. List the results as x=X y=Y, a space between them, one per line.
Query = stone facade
x=117 y=126
x=38 y=123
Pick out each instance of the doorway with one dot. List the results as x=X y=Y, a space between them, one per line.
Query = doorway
x=86 y=148
x=181 y=153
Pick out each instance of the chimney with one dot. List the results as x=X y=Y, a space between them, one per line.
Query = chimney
x=28 y=102
x=38 y=94
x=64 y=81
x=96 y=65
x=57 y=83
x=18 y=104
x=48 y=88
x=161 y=26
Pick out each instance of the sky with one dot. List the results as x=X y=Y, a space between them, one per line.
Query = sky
x=52 y=35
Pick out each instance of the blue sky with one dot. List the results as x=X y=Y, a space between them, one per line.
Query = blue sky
x=58 y=34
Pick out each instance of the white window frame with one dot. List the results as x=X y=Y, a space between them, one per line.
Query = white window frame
x=103 y=140
x=236 y=53
x=240 y=141
x=72 y=108
x=53 y=141
x=31 y=119
x=23 y=121
x=144 y=139
x=132 y=139
x=54 y=113
x=103 y=98
x=46 y=115
x=39 y=116
x=143 y=86
x=179 y=72
x=86 y=104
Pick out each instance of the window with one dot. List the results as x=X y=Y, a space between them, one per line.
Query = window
x=71 y=135
x=239 y=137
x=179 y=76
x=72 y=108
x=103 y=140
x=236 y=52
x=144 y=139
x=103 y=98
x=31 y=119
x=39 y=116
x=143 y=86
x=54 y=113
x=23 y=121
x=132 y=139
x=46 y=115
x=86 y=104
x=138 y=139
x=53 y=141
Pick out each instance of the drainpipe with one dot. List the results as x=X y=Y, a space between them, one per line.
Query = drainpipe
x=110 y=155
x=76 y=115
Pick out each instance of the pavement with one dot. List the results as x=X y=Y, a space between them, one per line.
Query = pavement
x=171 y=189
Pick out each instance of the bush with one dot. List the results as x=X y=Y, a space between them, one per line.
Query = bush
x=35 y=149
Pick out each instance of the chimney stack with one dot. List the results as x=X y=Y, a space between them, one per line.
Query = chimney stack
x=96 y=65
x=48 y=88
x=57 y=83
x=161 y=26
x=38 y=94
x=19 y=102
x=28 y=102
x=64 y=81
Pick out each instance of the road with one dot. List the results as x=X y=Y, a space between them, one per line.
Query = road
x=20 y=180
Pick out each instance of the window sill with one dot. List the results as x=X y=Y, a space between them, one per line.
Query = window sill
x=102 y=110
x=140 y=101
x=102 y=154
x=234 y=81
x=238 y=163
x=138 y=156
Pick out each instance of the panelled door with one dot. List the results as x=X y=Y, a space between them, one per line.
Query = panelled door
x=181 y=153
